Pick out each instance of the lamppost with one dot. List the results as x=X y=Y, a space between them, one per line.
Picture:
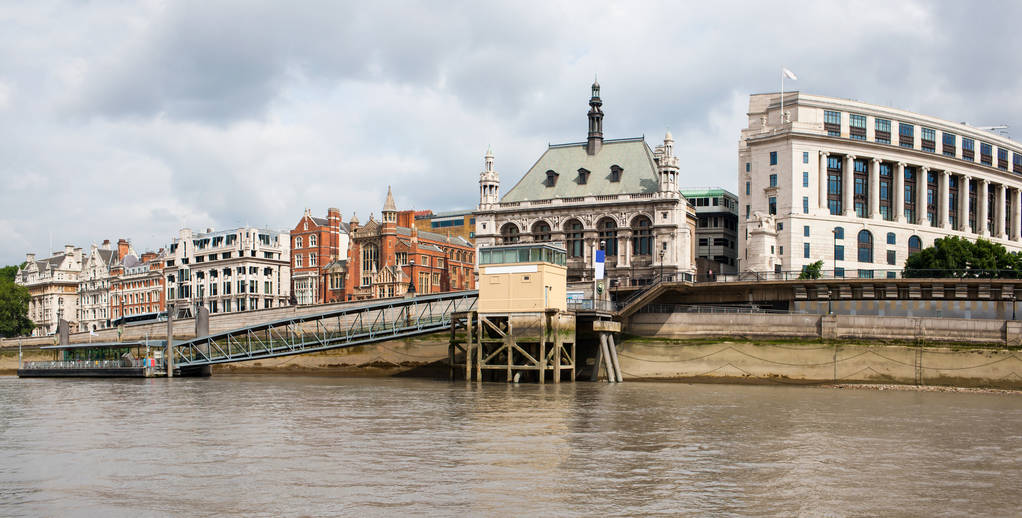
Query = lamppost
x=661 y=254
x=411 y=279
x=1013 y=296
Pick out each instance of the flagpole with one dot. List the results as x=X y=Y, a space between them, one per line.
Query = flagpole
x=782 y=96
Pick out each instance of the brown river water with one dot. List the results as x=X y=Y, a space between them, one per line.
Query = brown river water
x=280 y=445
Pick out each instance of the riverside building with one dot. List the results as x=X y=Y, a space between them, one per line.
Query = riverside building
x=618 y=195
x=53 y=285
x=861 y=187
x=241 y=269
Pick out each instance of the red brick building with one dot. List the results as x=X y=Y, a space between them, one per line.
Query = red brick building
x=390 y=257
x=136 y=284
x=315 y=243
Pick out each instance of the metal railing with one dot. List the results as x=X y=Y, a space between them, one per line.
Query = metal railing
x=703 y=308
x=865 y=273
x=91 y=364
x=591 y=305
x=343 y=327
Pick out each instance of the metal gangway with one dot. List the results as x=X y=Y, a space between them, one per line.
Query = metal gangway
x=344 y=327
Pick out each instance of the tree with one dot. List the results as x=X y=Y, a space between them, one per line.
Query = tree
x=14 y=309
x=811 y=271
x=8 y=272
x=958 y=257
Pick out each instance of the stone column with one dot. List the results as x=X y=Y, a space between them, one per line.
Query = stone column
x=921 y=201
x=1016 y=198
x=963 y=203
x=999 y=211
x=848 y=186
x=944 y=203
x=874 y=189
x=823 y=182
x=626 y=245
x=899 y=193
x=981 y=211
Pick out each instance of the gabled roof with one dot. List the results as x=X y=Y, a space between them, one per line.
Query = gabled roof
x=633 y=156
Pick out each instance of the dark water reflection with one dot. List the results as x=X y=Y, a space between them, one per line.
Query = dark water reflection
x=277 y=445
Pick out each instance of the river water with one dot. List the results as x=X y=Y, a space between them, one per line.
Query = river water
x=276 y=445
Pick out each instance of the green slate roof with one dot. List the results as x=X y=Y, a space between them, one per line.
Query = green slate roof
x=632 y=155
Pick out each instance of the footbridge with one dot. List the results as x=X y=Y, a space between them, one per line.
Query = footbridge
x=334 y=329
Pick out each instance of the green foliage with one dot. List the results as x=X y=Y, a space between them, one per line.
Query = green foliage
x=811 y=271
x=958 y=257
x=13 y=305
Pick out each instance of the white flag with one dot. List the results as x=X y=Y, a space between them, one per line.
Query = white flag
x=92 y=332
x=789 y=74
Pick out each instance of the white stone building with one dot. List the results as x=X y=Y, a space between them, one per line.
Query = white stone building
x=53 y=285
x=616 y=194
x=861 y=186
x=94 y=285
x=231 y=270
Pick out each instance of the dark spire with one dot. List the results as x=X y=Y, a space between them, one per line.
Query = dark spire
x=595 y=139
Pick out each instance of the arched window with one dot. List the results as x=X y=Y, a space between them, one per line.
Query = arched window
x=370 y=262
x=891 y=238
x=541 y=231
x=865 y=247
x=839 y=233
x=608 y=235
x=915 y=245
x=298 y=242
x=312 y=240
x=509 y=234
x=642 y=236
x=573 y=237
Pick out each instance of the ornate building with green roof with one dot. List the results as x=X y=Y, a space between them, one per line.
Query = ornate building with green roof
x=618 y=195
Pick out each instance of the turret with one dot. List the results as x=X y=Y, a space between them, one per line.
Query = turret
x=595 y=140
x=667 y=165
x=489 y=182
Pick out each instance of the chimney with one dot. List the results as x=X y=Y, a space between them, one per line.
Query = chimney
x=148 y=256
x=122 y=248
x=29 y=258
x=69 y=249
x=333 y=215
x=106 y=244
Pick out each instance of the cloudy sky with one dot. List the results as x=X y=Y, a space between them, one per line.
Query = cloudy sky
x=135 y=119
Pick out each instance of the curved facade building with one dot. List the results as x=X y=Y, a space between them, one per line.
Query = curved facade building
x=862 y=186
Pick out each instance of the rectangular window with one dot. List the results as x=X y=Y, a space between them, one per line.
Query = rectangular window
x=805 y=157
x=748 y=167
x=883 y=131
x=748 y=211
x=986 y=154
x=772 y=202
x=805 y=205
x=929 y=140
x=906 y=135
x=839 y=252
x=748 y=188
x=968 y=149
x=1002 y=158
x=857 y=126
x=805 y=250
x=805 y=178
x=773 y=180
x=839 y=273
x=832 y=123
x=773 y=158
x=805 y=230
x=1016 y=162
x=704 y=241
x=948 y=141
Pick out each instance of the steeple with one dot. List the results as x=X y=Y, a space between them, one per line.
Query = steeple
x=595 y=140
x=489 y=182
x=389 y=208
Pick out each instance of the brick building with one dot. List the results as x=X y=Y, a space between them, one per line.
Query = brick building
x=390 y=257
x=454 y=223
x=137 y=285
x=316 y=243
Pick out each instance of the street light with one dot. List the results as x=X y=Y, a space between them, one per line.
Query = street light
x=661 y=264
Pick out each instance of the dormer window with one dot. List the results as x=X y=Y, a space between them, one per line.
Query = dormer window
x=615 y=173
x=583 y=176
x=551 y=178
